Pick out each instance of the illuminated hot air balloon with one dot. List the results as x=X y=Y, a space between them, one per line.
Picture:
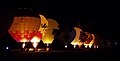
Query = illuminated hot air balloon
x=90 y=40
x=49 y=36
x=76 y=40
x=41 y=32
x=70 y=37
x=44 y=25
x=24 y=28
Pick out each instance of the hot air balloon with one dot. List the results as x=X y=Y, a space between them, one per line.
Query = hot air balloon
x=41 y=32
x=49 y=36
x=43 y=25
x=72 y=37
x=76 y=40
x=90 y=40
x=24 y=28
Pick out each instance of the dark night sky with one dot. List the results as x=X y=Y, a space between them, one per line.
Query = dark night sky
x=101 y=17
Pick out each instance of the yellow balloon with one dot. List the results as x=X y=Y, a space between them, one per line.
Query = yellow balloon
x=49 y=37
x=76 y=39
x=43 y=25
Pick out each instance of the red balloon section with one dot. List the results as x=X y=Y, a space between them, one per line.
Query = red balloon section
x=17 y=35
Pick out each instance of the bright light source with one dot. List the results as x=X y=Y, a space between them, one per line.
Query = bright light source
x=7 y=48
x=74 y=46
x=90 y=45
x=35 y=39
x=23 y=40
x=23 y=45
x=47 y=49
x=35 y=44
x=85 y=46
x=65 y=46
x=47 y=44
x=97 y=46
x=31 y=49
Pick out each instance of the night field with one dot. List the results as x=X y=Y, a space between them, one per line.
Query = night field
x=58 y=55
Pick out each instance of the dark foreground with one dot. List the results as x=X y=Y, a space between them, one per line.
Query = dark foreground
x=63 y=55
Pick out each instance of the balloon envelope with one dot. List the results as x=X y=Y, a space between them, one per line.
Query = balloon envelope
x=76 y=40
x=49 y=36
x=24 y=28
x=43 y=25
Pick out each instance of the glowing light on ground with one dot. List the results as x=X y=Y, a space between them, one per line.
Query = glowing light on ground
x=35 y=44
x=47 y=49
x=74 y=46
x=97 y=46
x=23 y=45
x=35 y=40
x=88 y=45
x=7 y=48
x=48 y=44
x=65 y=46
x=23 y=40
x=31 y=49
